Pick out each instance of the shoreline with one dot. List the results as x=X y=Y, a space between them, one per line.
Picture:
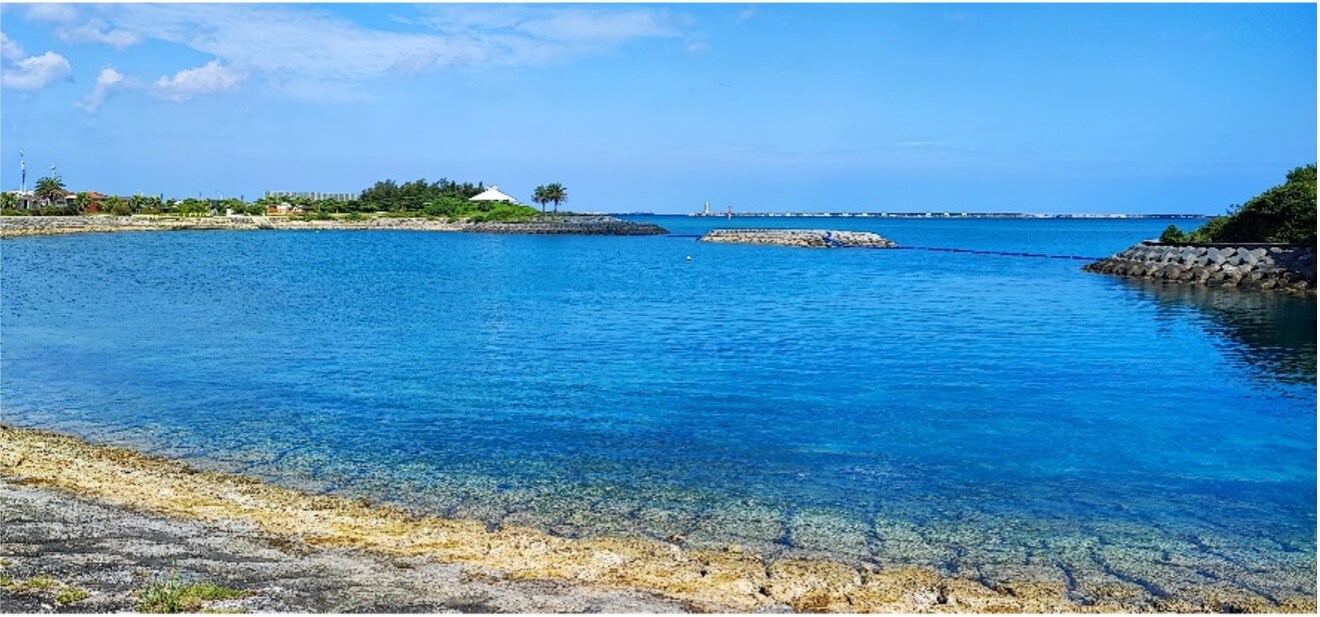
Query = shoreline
x=30 y=226
x=702 y=580
x=61 y=553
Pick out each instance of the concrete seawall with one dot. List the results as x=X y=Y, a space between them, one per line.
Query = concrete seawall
x=807 y=238
x=18 y=226
x=1276 y=267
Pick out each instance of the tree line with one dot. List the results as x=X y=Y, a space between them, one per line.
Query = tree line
x=1285 y=214
x=441 y=198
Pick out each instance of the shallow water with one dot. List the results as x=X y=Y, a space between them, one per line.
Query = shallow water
x=993 y=416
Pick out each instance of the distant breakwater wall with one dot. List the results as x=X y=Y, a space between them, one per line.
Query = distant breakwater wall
x=806 y=238
x=18 y=226
x=574 y=225
x=1278 y=267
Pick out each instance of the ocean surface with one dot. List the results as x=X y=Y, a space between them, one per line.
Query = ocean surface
x=1002 y=417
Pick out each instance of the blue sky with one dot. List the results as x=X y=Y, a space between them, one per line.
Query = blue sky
x=974 y=107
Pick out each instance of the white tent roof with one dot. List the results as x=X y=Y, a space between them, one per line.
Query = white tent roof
x=492 y=194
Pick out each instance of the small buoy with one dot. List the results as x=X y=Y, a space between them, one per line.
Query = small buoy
x=689 y=258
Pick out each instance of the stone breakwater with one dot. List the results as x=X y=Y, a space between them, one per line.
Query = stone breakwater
x=807 y=238
x=17 y=226
x=576 y=225
x=1287 y=268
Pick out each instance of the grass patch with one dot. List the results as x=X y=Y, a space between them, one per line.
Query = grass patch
x=69 y=595
x=41 y=582
x=5 y=581
x=172 y=596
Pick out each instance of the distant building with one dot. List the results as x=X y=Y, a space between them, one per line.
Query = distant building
x=493 y=194
x=313 y=195
x=283 y=209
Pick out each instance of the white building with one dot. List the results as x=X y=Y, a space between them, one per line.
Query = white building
x=313 y=195
x=493 y=194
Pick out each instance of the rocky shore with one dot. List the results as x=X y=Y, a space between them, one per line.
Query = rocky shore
x=297 y=551
x=806 y=238
x=59 y=553
x=18 y=226
x=1264 y=267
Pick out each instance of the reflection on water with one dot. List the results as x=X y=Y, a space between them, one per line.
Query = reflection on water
x=1273 y=335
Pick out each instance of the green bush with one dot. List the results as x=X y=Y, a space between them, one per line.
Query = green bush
x=1173 y=235
x=1283 y=214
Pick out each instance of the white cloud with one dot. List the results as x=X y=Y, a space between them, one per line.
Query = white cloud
x=94 y=32
x=297 y=46
x=9 y=50
x=107 y=80
x=209 y=78
x=35 y=72
x=59 y=13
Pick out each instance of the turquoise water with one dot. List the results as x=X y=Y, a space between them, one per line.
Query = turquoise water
x=992 y=416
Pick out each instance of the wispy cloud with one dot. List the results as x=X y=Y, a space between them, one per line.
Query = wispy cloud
x=96 y=32
x=23 y=72
x=51 y=12
x=9 y=49
x=295 y=44
x=106 y=81
x=210 y=78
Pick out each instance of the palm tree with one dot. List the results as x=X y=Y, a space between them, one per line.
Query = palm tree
x=541 y=196
x=50 y=189
x=556 y=193
x=81 y=202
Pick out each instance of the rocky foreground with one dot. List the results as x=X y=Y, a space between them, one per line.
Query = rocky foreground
x=805 y=238
x=136 y=517
x=17 y=226
x=59 y=553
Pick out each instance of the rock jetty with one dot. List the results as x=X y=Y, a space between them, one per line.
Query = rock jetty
x=808 y=238
x=1279 y=267
x=16 y=226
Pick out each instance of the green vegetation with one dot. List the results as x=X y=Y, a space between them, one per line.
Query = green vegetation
x=172 y=596
x=441 y=199
x=69 y=595
x=41 y=582
x=550 y=193
x=50 y=189
x=1285 y=214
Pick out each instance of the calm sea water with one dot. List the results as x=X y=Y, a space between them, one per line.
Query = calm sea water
x=1001 y=417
